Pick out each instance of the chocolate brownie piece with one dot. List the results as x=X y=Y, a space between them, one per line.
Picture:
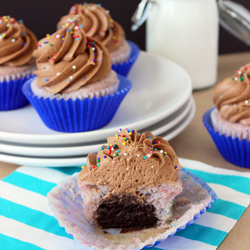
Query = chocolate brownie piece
x=126 y=211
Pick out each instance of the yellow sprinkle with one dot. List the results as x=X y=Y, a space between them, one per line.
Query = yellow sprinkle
x=127 y=140
x=165 y=152
x=63 y=39
x=116 y=135
x=111 y=145
x=124 y=143
x=130 y=133
x=114 y=37
x=83 y=167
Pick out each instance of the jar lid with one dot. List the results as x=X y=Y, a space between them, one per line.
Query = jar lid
x=236 y=19
x=141 y=14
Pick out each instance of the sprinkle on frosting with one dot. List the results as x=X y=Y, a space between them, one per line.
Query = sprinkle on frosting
x=96 y=22
x=17 y=43
x=73 y=56
x=232 y=97
x=138 y=156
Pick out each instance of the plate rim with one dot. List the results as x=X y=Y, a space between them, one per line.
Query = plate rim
x=75 y=161
x=58 y=138
x=37 y=151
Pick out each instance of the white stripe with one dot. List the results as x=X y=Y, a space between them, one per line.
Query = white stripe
x=216 y=221
x=36 y=236
x=45 y=174
x=229 y=194
x=197 y=165
x=177 y=243
x=25 y=197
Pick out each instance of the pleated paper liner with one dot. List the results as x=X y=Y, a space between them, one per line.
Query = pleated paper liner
x=79 y=115
x=11 y=95
x=66 y=202
x=124 y=68
x=235 y=151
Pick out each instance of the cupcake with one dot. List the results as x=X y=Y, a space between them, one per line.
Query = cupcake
x=75 y=89
x=229 y=122
x=132 y=194
x=131 y=183
x=96 y=22
x=17 y=44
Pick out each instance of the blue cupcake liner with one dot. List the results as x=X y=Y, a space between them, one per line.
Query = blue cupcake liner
x=124 y=67
x=235 y=151
x=11 y=96
x=79 y=115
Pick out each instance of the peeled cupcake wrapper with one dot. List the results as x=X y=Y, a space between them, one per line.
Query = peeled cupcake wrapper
x=66 y=202
x=77 y=115
x=124 y=68
x=235 y=151
x=11 y=96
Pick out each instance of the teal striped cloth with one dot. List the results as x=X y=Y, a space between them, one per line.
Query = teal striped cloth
x=27 y=222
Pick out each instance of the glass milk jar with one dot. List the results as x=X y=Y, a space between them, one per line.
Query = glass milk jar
x=186 y=31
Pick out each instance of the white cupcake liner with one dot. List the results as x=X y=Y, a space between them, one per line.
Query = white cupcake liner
x=65 y=200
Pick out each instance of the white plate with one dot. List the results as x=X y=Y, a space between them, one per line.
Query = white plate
x=35 y=151
x=79 y=161
x=160 y=87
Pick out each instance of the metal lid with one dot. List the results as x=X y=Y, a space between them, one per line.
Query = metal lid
x=236 y=19
x=141 y=14
x=233 y=17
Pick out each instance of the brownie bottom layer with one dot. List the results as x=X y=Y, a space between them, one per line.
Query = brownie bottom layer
x=126 y=211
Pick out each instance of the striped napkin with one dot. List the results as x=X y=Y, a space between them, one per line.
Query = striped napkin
x=27 y=222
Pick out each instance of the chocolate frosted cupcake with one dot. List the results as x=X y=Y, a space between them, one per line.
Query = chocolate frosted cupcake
x=131 y=183
x=230 y=121
x=75 y=89
x=96 y=22
x=17 y=44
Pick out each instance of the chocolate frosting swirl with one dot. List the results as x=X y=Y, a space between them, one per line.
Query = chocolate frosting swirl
x=17 y=43
x=68 y=59
x=232 y=97
x=131 y=161
x=96 y=22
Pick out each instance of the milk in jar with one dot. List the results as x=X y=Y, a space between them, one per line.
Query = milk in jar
x=186 y=31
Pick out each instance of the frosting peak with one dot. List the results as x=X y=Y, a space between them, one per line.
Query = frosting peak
x=68 y=59
x=232 y=97
x=96 y=22
x=130 y=161
x=17 y=43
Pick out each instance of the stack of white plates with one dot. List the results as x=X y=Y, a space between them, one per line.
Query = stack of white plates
x=160 y=101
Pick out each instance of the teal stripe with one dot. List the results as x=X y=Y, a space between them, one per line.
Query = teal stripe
x=30 y=183
x=31 y=217
x=7 y=242
x=68 y=171
x=238 y=183
x=207 y=235
x=227 y=208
